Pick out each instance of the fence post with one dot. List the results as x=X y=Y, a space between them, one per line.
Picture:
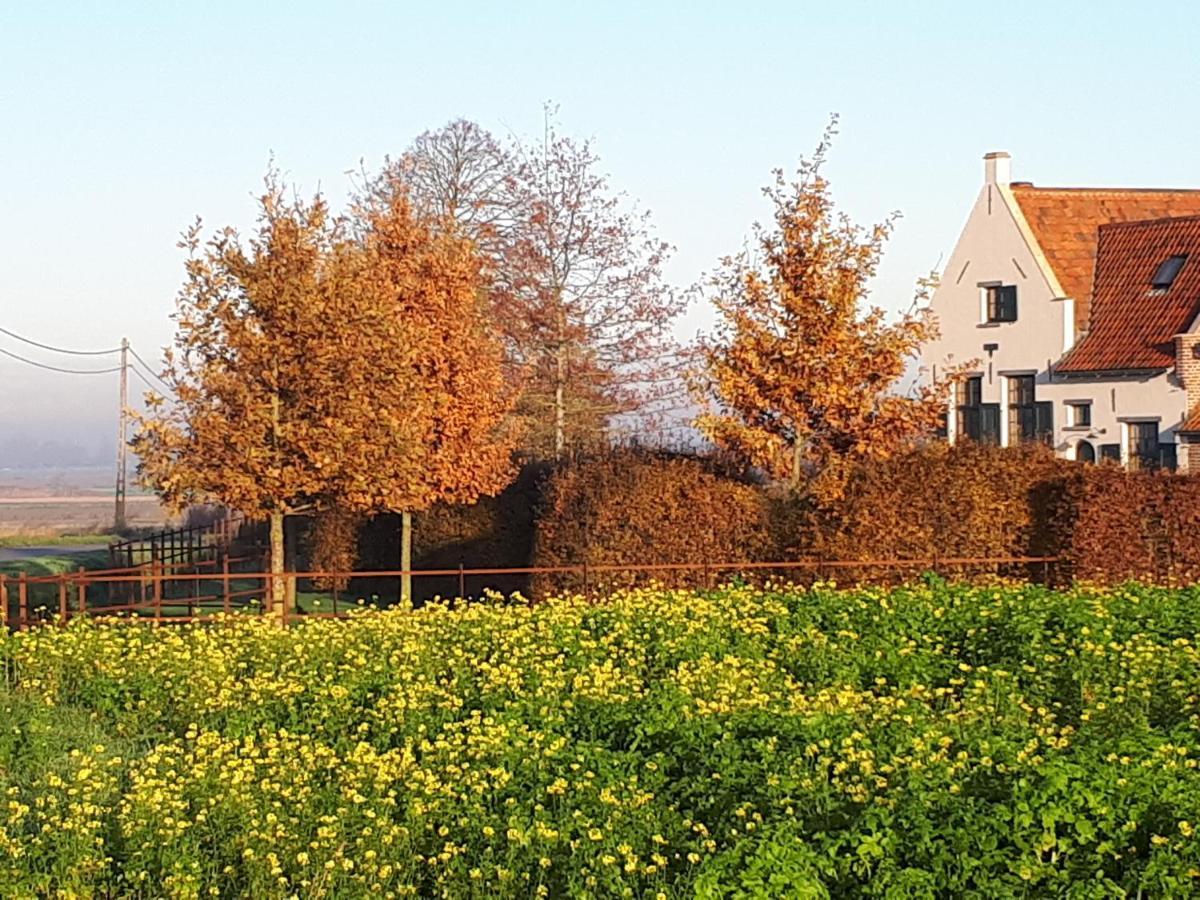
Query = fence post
x=462 y=583
x=3 y=600
x=289 y=605
x=225 y=583
x=156 y=574
x=82 y=592
x=587 y=584
x=22 y=602
x=62 y=599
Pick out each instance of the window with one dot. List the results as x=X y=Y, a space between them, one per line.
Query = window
x=1167 y=459
x=1086 y=453
x=1143 y=445
x=1028 y=419
x=1167 y=271
x=1110 y=452
x=1079 y=414
x=976 y=420
x=1001 y=303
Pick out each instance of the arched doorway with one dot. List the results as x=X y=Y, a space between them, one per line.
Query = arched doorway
x=1085 y=452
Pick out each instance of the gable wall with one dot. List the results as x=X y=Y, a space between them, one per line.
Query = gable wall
x=996 y=246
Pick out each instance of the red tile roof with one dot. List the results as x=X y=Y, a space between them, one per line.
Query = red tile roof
x=1132 y=325
x=1191 y=424
x=1065 y=222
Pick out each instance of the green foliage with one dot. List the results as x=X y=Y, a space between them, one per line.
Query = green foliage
x=931 y=740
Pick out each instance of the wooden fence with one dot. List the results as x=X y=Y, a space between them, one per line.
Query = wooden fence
x=163 y=593
x=180 y=546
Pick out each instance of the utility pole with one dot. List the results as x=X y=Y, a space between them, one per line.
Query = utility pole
x=119 y=515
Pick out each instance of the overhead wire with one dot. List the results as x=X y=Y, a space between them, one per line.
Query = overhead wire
x=64 y=371
x=145 y=380
x=146 y=373
x=52 y=348
x=149 y=369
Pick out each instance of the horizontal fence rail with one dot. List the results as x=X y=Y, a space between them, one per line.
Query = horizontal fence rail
x=177 y=593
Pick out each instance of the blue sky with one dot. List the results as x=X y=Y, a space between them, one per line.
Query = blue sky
x=120 y=122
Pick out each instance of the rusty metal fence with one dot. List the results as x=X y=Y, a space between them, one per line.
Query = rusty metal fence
x=162 y=593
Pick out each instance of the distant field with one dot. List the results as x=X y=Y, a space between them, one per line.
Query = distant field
x=39 y=503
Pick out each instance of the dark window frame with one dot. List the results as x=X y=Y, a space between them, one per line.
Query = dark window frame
x=1029 y=419
x=1074 y=406
x=1143 y=441
x=1001 y=303
x=974 y=419
x=1168 y=270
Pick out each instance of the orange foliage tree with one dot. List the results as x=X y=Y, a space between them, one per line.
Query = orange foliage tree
x=799 y=379
x=428 y=274
x=320 y=365
x=263 y=420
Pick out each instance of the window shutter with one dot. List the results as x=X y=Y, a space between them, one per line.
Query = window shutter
x=1008 y=304
x=989 y=423
x=1167 y=458
x=1044 y=421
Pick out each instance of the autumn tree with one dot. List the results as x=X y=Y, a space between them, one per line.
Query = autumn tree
x=458 y=173
x=572 y=276
x=428 y=275
x=591 y=316
x=268 y=372
x=801 y=378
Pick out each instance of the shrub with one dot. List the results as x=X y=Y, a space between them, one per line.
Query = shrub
x=1110 y=525
x=932 y=503
x=635 y=507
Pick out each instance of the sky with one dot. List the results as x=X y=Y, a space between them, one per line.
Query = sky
x=122 y=122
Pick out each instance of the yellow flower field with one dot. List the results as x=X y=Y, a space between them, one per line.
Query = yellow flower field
x=927 y=741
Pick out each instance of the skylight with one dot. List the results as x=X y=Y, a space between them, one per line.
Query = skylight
x=1164 y=275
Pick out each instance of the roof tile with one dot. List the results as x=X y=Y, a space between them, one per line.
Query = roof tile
x=1191 y=425
x=1065 y=222
x=1132 y=325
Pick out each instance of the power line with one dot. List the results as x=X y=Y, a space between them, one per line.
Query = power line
x=59 y=368
x=149 y=370
x=145 y=380
x=13 y=334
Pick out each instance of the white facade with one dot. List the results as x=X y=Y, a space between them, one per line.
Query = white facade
x=997 y=247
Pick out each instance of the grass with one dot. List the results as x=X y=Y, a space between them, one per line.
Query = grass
x=57 y=564
x=51 y=539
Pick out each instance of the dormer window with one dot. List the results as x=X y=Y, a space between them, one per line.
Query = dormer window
x=1167 y=271
x=1001 y=303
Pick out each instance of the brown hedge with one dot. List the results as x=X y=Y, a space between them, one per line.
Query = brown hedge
x=933 y=503
x=635 y=507
x=1110 y=525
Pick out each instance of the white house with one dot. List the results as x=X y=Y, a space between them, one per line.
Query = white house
x=1079 y=310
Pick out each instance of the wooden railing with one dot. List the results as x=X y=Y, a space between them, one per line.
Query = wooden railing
x=162 y=593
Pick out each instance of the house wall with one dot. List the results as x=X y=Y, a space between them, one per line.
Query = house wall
x=1187 y=356
x=996 y=246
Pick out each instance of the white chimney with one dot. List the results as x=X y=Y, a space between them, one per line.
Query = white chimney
x=997 y=167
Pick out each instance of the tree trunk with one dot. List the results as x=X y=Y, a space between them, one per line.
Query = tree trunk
x=290 y=561
x=277 y=595
x=560 y=410
x=406 y=557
